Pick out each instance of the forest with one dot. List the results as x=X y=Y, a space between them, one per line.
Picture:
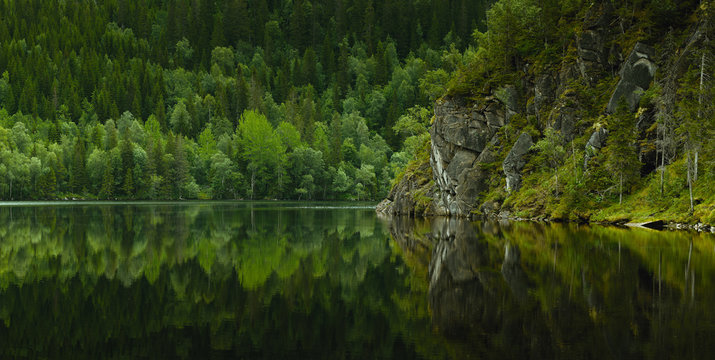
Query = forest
x=586 y=111
x=334 y=100
x=220 y=99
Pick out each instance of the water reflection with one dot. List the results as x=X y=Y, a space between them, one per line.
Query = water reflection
x=284 y=280
x=204 y=280
x=526 y=290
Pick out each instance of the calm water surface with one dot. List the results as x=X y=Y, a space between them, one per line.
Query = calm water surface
x=277 y=280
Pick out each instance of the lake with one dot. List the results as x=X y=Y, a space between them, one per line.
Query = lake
x=277 y=280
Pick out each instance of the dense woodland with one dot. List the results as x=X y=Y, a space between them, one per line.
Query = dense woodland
x=182 y=99
x=229 y=99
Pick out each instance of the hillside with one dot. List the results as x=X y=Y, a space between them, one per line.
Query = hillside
x=571 y=110
x=220 y=99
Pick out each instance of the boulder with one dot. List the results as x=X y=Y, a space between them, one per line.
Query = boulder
x=636 y=75
x=597 y=139
x=595 y=143
x=384 y=207
x=514 y=161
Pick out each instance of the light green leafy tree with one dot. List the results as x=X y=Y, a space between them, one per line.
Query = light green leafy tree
x=262 y=150
x=180 y=119
x=552 y=150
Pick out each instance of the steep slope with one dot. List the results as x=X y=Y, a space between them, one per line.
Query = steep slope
x=617 y=114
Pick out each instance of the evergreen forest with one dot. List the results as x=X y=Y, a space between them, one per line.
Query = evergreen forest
x=335 y=100
x=220 y=99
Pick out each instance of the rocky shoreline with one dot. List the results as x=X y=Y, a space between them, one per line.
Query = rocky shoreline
x=385 y=208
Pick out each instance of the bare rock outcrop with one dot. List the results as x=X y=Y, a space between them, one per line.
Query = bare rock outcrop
x=636 y=75
x=461 y=138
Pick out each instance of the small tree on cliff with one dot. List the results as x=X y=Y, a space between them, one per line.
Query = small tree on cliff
x=622 y=158
x=551 y=151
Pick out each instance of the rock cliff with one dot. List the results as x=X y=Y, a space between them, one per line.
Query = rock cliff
x=466 y=143
x=482 y=143
x=461 y=137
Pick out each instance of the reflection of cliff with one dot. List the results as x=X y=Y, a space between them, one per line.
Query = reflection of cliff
x=546 y=290
x=460 y=280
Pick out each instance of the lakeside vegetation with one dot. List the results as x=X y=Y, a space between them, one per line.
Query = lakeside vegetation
x=564 y=59
x=224 y=99
x=325 y=100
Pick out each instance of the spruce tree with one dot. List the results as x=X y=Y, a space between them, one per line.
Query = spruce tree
x=107 y=190
x=78 y=176
x=622 y=158
x=129 y=184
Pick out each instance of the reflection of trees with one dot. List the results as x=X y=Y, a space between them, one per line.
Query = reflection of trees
x=167 y=280
x=525 y=290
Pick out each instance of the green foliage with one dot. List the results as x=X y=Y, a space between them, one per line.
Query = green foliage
x=550 y=148
x=622 y=159
x=262 y=150
x=511 y=24
x=132 y=75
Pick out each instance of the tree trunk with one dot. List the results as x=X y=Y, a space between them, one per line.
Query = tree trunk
x=253 y=183
x=662 y=172
x=662 y=160
x=702 y=84
x=557 y=181
x=695 y=167
x=690 y=182
x=700 y=109
x=620 y=191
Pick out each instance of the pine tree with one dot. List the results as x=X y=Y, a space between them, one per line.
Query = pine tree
x=180 y=168
x=78 y=176
x=129 y=184
x=107 y=190
x=48 y=184
x=622 y=158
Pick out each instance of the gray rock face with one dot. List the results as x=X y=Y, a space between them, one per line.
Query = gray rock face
x=510 y=98
x=514 y=161
x=401 y=201
x=636 y=75
x=595 y=143
x=460 y=136
x=593 y=55
x=563 y=117
x=544 y=91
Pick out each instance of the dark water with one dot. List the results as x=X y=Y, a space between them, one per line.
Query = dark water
x=333 y=281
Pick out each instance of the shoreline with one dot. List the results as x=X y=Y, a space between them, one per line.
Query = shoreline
x=657 y=225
